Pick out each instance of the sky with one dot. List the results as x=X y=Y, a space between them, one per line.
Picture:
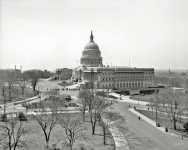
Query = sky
x=50 y=34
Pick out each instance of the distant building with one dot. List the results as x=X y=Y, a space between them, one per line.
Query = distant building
x=64 y=73
x=45 y=74
x=94 y=75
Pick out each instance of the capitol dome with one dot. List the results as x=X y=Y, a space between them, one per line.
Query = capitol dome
x=91 y=56
x=91 y=45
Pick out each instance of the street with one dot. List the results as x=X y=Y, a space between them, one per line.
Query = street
x=145 y=130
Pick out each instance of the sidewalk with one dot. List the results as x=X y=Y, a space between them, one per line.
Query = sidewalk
x=119 y=139
x=153 y=123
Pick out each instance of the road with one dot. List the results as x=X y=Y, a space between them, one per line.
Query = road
x=145 y=130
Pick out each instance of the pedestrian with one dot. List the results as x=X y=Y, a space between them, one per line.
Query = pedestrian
x=129 y=105
x=139 y=117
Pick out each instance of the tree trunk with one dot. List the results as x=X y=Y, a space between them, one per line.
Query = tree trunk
x=174 y=125
x=10 y=146
x=22 y=91
x=9 y=95
x=83 y=115
x=104 y=135
x=93 y=128
x=4 y=106
x=47 y=144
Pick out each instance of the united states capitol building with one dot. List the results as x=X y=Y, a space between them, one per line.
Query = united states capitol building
x=93 y=74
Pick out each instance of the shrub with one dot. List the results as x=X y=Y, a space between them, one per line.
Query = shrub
x=4 y=117
x=22 y=117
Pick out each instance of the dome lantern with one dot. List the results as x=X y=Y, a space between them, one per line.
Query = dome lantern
x=91 y=37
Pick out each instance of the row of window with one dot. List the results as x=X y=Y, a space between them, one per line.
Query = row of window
x=112 y=79
x=129 y=85
x=127 y=74
x=124 y=85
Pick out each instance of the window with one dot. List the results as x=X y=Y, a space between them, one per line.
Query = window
x=120 y=85
x=129 y=84
x=123 y=84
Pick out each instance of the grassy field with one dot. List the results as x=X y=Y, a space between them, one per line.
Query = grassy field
x=65 y=84
x=145 y=98
x=36 y=139
x=162 y=119
x=17 y=94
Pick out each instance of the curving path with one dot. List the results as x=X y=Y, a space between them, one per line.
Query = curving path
x=161 y=140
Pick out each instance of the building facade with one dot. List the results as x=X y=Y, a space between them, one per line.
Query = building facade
x=93 y=74
x=64 y=73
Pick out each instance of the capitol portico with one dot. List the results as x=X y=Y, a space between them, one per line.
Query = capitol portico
x=94 y=74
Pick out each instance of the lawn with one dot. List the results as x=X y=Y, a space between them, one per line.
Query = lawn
x=65 y=84
x=162 y=119
x=17 y=94
x=145 y=98
x=36 y=139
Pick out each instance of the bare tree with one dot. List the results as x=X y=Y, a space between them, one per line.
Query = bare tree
x=151 y=104
x=34 y=76
x=111 y=120
x=7 y=79
x=12 y=133
x=176 y=82
x=74 y=129
x=23 y=81
x=173 y=105
x=96 y=105
x=155 y=104
x=84 y=95
x=47 y=119
x=102 y=104
x=11 y=80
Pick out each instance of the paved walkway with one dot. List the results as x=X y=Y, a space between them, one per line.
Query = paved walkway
x=119 y=139
x=153 y=123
